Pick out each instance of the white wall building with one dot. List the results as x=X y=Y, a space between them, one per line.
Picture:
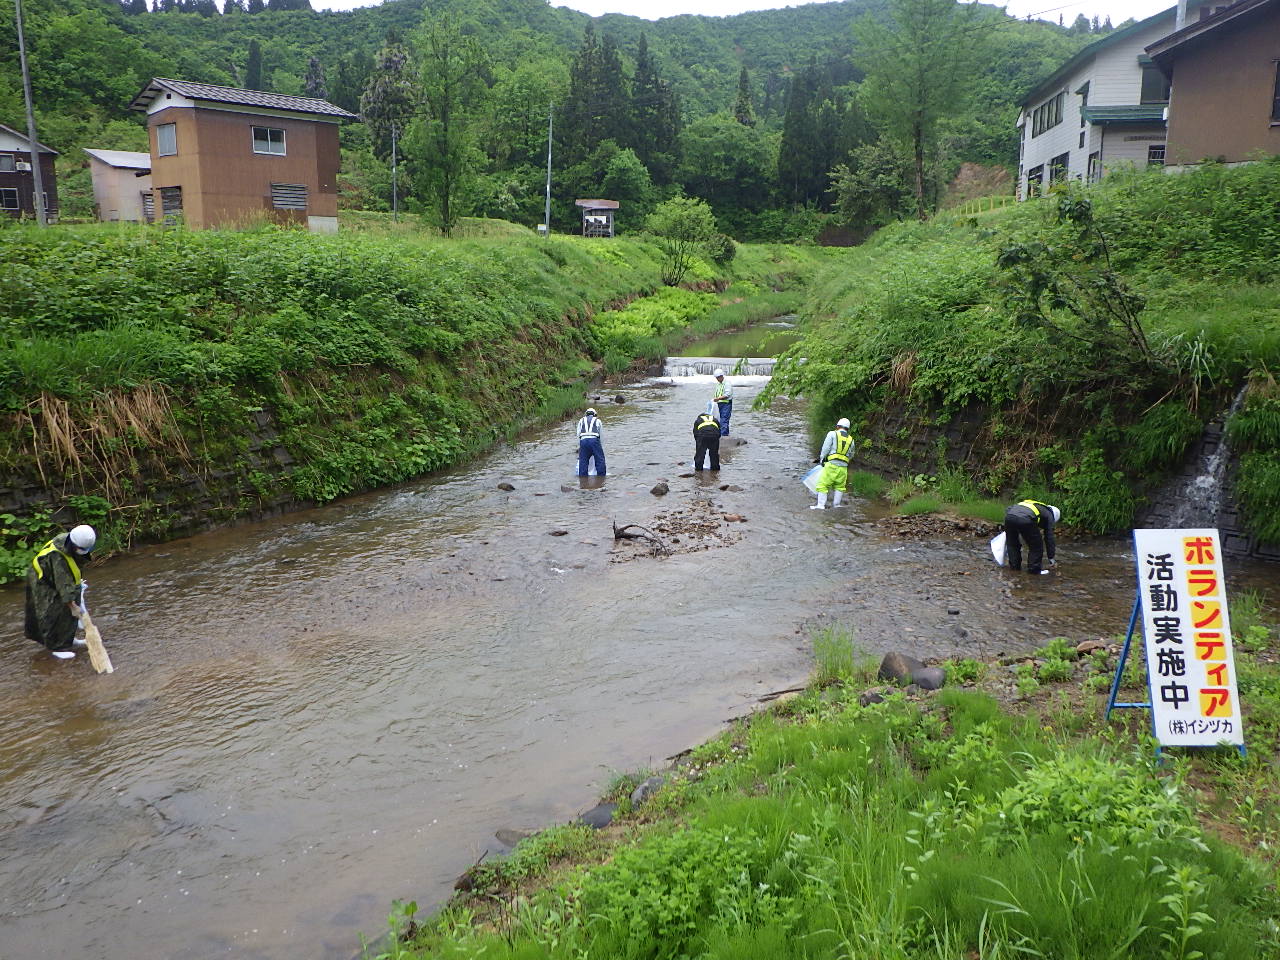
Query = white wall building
x=121 y=184
x=1104 y=107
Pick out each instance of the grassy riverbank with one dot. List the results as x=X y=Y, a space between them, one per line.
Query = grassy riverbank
x=156 y=382
x=997 y=818
x=1079 y=342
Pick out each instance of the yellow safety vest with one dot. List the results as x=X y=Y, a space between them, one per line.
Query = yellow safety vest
x=706 y=420
x=50 y=548
x=844 y=446
x=1031 y=505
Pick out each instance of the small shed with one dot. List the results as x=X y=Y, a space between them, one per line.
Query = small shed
x=121 y=185
x=597 y=217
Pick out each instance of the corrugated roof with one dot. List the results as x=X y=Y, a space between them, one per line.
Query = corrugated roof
x=1128 y=113
x=124 y=159
x=212 y=93
x=23 y=138
x=598 y=204
x=1092 y=49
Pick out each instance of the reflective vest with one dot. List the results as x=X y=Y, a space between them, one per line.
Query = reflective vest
x=589 y=428
x=50 y=548
x=844 y=446
x=1031 y=505
x=706 y=420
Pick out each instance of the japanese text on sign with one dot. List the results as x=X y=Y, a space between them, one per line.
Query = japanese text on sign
x=1190 y=668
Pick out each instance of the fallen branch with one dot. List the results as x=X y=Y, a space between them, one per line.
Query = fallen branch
x=625 y=533
x=779 y=693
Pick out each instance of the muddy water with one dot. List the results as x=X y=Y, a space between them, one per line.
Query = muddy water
x=313 y=716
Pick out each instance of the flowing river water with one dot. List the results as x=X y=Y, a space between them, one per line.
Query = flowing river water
x=314 y=715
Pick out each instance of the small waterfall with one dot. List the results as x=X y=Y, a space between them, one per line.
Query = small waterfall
x=706 y=366
x=1196 y=499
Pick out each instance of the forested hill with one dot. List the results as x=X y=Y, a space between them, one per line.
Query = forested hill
x=90 y=57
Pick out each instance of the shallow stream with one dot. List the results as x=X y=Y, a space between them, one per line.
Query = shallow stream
x=315 y=715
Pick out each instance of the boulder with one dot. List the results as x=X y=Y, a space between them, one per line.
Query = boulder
x=599 y=816
x=619 y=399
x=868 y=697
x=660 y=489
x=898 y=666
x=733 y=518
x=505 y=486
x=929 y=678
x=1086 y=647
x=510 y=838
x=646 y=789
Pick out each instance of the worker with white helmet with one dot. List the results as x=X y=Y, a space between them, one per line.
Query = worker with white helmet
x=724 y=401
x=1032 y=521
x=837 y=449
x=589 y=446
x=53 y=590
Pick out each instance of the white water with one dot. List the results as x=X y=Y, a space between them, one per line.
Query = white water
x=1198 y=499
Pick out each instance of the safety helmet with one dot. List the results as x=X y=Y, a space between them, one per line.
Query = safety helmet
x=719 y=372
x=843 y=422
x=83 y=537
x=591 y=410
x=1057 y=514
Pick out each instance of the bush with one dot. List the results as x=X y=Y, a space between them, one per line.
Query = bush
x=722 y=249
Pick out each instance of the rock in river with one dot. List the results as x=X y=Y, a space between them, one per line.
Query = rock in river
x=506 y=486
x=599 y=817
x=660 y=490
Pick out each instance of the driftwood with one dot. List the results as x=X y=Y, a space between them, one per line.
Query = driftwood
x=628 y=533
x=779 y=693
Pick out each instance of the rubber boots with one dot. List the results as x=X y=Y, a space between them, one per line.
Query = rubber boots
x=822 y=502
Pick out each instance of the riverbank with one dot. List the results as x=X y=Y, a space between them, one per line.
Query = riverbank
x=1073 y=348
x=157 y=383
x=997 y=817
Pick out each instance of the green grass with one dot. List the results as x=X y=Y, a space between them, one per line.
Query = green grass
x=920 y=503
x=863 y=483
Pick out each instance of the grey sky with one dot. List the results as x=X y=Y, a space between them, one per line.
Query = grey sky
x=1118 y=10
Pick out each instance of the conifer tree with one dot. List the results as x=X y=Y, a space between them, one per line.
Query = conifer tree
x=255 y=6
x=655 y=118
x=313 y=84
x=390 y=96
x=253 y=64
x=742 y=111
x=233 y=6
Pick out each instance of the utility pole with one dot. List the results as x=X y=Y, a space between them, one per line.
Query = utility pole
x=37 y=175
x=546 y=209
x=395 y=199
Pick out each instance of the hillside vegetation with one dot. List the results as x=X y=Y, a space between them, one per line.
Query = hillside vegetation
x=753 y=113
x=1096 y=331
x=160 y=381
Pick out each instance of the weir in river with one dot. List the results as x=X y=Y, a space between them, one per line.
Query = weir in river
x=315 y=715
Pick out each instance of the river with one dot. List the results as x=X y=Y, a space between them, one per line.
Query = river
x=315 y=715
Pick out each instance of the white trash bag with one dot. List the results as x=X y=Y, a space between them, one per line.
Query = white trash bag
x=997 y=548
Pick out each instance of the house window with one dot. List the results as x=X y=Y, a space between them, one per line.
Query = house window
x=1095 y=166
x=8 y=163
x=1081 y=139
x=1035 y=180
x=8 y=198
x=289 y=196
x=1155 y=155
x=1155 y=85
x=1058 y=167
x=1047 y=116
x=1275 y=104
x=166 y=139
x=268 y=140
x=1084 y=101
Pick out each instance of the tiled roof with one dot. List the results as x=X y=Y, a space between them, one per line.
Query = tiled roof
x=124 y=159
x=1129 y=113
x=247 y=98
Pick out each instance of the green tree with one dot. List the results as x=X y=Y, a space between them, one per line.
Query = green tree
x=255 y=6
x=683 y=227
x=390 y=97
x=919 y=64
x=313 y=84
x=253 y=64
x=742 y=111
x=728 y=165
x=452 y=68
x=654 y=129
x=627 y=181
x=874 y=184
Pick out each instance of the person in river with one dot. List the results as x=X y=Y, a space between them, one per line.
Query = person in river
x=724 y=400
x=837 y=449
x=1032 y=521
x=589 y=445
x=53 y=591
x=706 y=439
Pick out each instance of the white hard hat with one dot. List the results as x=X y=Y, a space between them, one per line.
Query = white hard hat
x=843 y=422
x=83 y=537
x=591 y=410
x=719 y=372
x=1057 y=514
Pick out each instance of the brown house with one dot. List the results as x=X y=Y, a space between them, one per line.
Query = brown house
x=225 y=157
x=17 y=182
x=1225 y=70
